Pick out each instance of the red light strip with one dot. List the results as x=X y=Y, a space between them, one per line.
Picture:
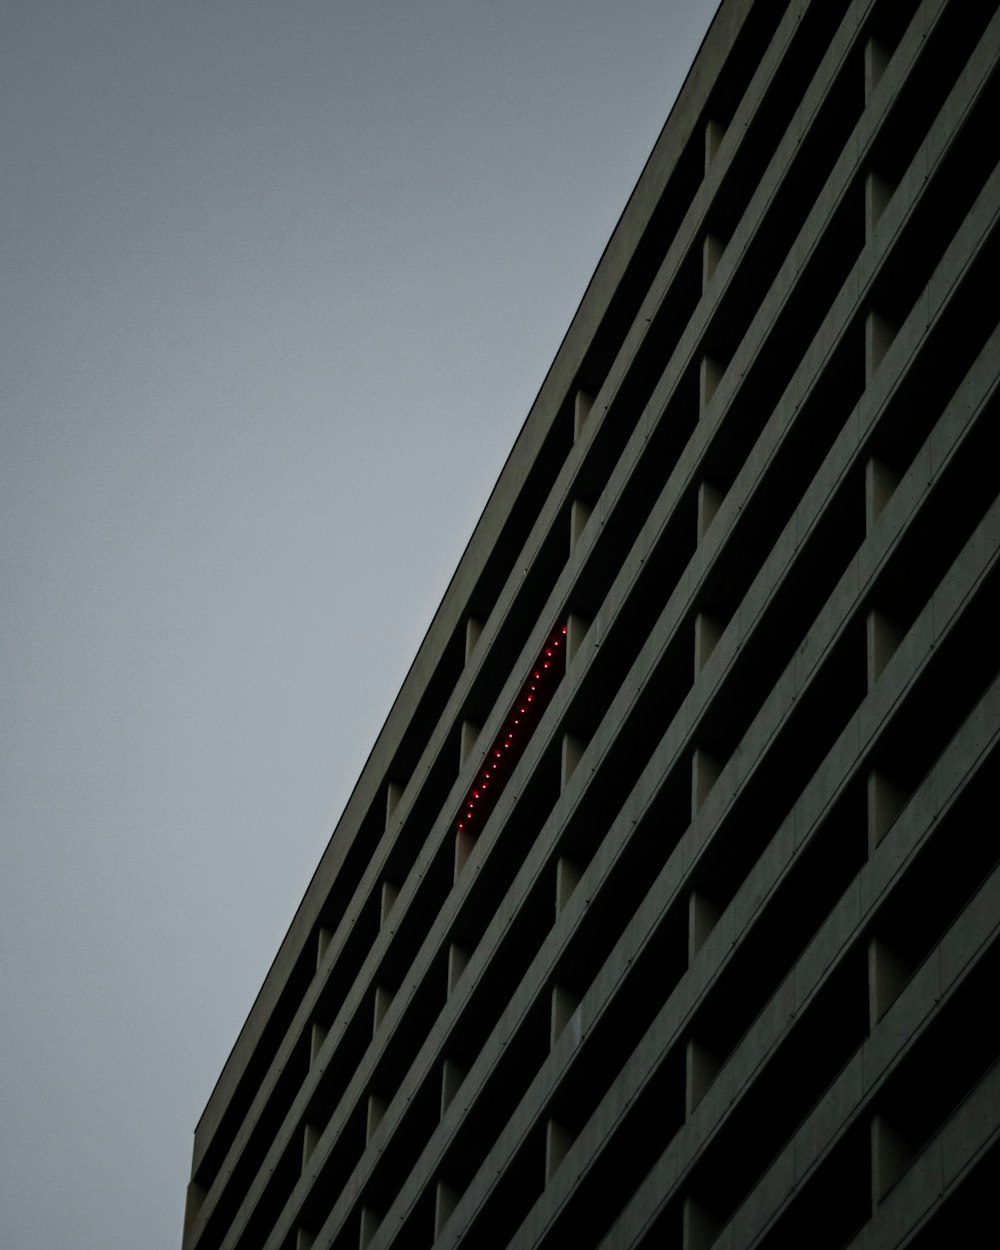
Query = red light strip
x=514 y=735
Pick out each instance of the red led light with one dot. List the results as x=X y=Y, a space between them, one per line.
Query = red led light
x=479 y=804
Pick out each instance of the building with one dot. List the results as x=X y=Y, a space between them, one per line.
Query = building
x=666 y=910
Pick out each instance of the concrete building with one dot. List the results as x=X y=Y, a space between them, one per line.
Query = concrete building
x=666 y=910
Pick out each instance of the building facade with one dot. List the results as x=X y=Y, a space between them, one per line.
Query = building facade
x=666 y=910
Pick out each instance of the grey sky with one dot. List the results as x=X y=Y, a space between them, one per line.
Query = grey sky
x=279 y=283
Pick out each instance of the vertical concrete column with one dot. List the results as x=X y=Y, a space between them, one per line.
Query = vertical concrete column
x=878 y=189
x=888 y=972
x=710 y=373
x=373 y=1116
x=370 y=1220
x=311 y=1134
x=878 y=193
x=558 y=1140
x=703 y=915
x=323 y=937
x=579 y=515
x=879 y=333
x=709 y=501
x=707 y=632
x=473 y=628
x=572 y=749
x=705 y=770
x=700 y=1227
x=892 y=1153
x=383 y=1001
x=712 y=249
x=458 y=957
x=393 y=793
x=885 y=801
x=317 y=1036
x=700 y=1068
x=567 y=877
x=880 y=482
x=452 y=1076
x=883 y=637
x=877 y=57
x=714 y=134
x=445 y=1201
x=468 y=738
x=564 y=1003
x=464 y=844
x=576 y=630
x=582 y=404
x=390 y=893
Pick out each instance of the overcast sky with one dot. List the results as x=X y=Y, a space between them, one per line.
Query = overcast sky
x=278 y=284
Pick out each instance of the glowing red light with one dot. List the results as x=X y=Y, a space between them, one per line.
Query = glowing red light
x=564 y=629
